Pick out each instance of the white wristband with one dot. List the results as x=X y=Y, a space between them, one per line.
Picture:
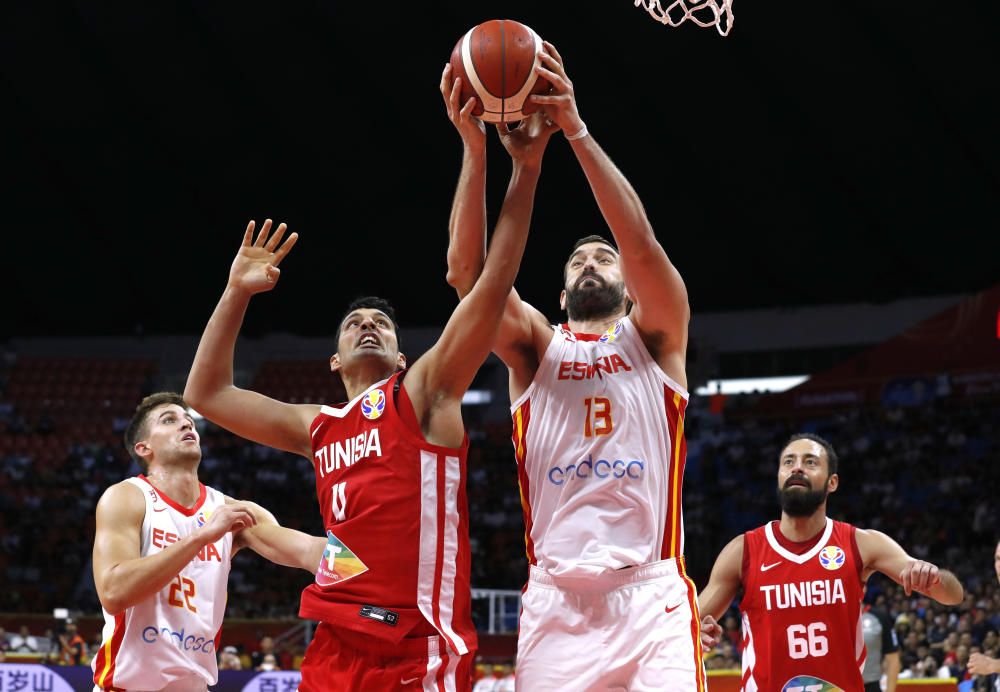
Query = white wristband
x=578 y=135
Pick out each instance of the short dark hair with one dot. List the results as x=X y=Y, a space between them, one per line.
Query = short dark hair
x=137 y=427
x=593 y=239
x=832 y=462
x=371 y=303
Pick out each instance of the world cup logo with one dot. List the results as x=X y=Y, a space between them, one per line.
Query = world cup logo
x=613 y=333
x=372 y=404
x=831 y=557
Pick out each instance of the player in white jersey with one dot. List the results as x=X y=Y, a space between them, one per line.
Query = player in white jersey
x=162 y=550
x=598 y=406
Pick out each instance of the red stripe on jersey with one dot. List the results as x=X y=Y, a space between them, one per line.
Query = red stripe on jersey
x=675 y=405
x=522 y=416
x=692 y=595
x=186 y=511
x=104 y=668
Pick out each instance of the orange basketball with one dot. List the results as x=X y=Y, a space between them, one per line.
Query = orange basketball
x=496 y=61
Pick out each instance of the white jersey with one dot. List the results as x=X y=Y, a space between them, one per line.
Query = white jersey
x=173 y=635
x=599 y=441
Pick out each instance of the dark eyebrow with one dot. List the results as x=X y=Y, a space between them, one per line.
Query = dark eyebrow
x=174 y=413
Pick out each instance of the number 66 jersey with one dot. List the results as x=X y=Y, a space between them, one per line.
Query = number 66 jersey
x=802 y=611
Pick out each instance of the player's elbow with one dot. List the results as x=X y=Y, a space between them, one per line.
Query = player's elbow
x=461 y=276
x=111 y=600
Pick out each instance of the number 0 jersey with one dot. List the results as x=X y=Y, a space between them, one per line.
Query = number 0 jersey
x=802 y=611
x=172 y=635
x=599 y=441
x=397 y=561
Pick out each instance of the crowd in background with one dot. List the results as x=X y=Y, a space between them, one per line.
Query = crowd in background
x=921 y=473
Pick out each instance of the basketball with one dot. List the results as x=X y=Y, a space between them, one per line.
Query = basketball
x=496 y=61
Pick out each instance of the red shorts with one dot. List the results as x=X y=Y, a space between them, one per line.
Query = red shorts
x=339 y=660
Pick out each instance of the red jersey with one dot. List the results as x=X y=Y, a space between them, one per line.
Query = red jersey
x=394 y=506
x=802 y=611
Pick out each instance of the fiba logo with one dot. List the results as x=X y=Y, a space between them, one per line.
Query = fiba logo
x=373 y=404
x=831 y=557
x=202 y=518
x=613 y=333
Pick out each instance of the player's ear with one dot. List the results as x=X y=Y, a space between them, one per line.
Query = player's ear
x=562 y=300
x=401 y=361
x=335 y=362
x=143 y=450
x=832 y=483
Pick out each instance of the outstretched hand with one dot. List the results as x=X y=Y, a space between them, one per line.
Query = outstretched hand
x=560 y=103
x=255 y=268
x=471 y=128
x=526 y=143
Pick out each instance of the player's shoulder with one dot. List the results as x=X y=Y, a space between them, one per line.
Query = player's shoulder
x=123 y=491
x=121 y=499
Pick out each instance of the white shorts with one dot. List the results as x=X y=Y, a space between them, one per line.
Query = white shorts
x=634 y=629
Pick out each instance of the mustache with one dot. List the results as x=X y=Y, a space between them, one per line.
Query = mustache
x=798 y=477
x=589 y=275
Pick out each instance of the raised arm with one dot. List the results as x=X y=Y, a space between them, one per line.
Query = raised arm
x=467 y=225
x=122 y=577
x=523 y=330
x=444 y=373
x=276 y=543
x=661 y=311
x=882 y=554
x=724 y=582
x=210 y=389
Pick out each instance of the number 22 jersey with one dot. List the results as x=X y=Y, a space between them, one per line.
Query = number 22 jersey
x=802 y=611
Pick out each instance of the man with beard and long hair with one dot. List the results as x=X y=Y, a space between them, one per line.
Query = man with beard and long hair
x=598 y=404
x=803 y=578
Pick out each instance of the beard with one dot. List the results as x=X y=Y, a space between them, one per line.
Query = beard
x=801 y=502
x=594 y=302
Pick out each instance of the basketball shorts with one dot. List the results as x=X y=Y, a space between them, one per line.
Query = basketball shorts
x=634 y=629
x=339 y=660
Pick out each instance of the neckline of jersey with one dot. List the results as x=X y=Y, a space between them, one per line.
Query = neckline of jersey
x=202 y=494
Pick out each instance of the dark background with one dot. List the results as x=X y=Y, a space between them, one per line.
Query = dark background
x=823 y=152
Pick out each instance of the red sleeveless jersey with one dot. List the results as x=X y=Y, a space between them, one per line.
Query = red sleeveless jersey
x=802 y=611
x=394 y=506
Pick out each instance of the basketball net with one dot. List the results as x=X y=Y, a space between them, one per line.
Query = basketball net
x=704 y=13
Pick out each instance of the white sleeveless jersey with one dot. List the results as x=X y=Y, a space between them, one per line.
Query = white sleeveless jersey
x=599 y=441
x=173 y=635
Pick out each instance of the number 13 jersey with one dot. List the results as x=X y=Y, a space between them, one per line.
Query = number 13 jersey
x=802 y=611
x=599 y=441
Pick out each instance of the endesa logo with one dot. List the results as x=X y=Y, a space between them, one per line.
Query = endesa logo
x=186 y=642
x=589 y=470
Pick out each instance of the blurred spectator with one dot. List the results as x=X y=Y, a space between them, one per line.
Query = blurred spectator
x=24 y=642
x=265 y=647
x=269 y=663
x=4 y=642
x=73 y=647
x=229 y=659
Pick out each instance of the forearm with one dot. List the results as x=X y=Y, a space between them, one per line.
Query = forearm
x=948 y=591
x=891 y=666
x=467 y=225
x=212 y=369
x=619 y=203
x=285 y=546
x=131 y=581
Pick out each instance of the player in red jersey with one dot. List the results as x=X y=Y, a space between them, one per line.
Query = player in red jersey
x=392 y=592
x=803 y=581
